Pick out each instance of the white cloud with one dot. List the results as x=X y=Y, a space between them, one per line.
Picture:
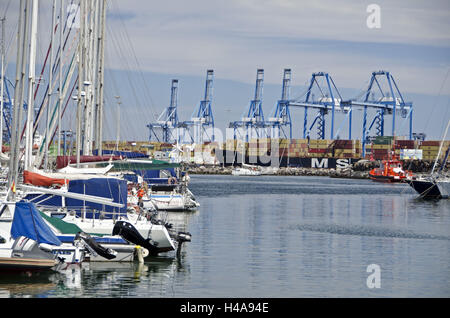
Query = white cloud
x=235 y=37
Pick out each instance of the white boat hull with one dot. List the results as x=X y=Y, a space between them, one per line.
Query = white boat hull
x=444 y=188
x=156 y=232
x=245 y=172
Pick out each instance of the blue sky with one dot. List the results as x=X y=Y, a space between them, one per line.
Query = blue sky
x=151 y=42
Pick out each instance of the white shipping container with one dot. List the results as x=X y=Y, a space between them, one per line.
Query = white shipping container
x=411 y=154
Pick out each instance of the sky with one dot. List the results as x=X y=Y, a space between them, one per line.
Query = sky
x=149 y=43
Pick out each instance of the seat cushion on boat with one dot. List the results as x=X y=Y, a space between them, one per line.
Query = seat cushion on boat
x=61 y=225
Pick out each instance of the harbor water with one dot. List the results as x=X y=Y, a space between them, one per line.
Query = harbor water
x=278 y=236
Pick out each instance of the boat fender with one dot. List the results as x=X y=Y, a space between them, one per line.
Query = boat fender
x=139 y=253
x=129 y=233
x=144 y=252
x=97 y=248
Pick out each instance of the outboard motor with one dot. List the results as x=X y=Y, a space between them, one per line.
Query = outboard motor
x=181 y=238
x=92 y=245
x=184 y=237
x=129 y=233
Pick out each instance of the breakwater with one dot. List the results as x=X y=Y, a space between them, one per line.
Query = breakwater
x=358 y=170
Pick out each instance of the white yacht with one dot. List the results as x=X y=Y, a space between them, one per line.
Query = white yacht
x=246 y=170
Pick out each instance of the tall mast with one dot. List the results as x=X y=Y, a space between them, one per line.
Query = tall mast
x=80 y=82
x=118 y=123
x=2 y=82
x=31 y=83
x=93 y=56
x=12 y=174
x=101 y=66
x=22 y=34
x=50 y=90
x=61 y=31
x=87 y=83
x=94 y=72
x=440 y=149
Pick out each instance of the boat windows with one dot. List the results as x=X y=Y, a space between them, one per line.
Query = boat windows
x=59 y=215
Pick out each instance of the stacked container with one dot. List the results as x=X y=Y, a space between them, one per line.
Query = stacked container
x=298 y=148
x=430 y=149
x=319 y=147
x=345 y=149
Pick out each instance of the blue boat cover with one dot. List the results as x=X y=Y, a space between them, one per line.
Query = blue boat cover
x=101 y=187
x=153 y=176
x=28 y=222
x=124 y=154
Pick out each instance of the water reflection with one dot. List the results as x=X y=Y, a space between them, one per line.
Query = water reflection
x=111 y=279
x=27 y=284
x=280 y=237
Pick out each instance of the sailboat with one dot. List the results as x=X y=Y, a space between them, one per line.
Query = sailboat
x=80 y=240
x=434 y=186
x=27 y=242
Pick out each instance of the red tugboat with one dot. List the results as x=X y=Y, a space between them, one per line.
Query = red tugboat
x=390 y=171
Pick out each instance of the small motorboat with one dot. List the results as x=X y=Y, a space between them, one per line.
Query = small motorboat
x=27 y=243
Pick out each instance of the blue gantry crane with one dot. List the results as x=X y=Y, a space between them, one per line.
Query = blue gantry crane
x=280 y=122
x=8 y=104
x=167 y=122
x=202 y=119
x=383 y=96
x=7 y=108
x=253 y=119
x=324 y=97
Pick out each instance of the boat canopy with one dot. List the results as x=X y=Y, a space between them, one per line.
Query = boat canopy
x=123 y=154
x=40 y=180
x=111 y=188
x=139 y=164
x=28 y=222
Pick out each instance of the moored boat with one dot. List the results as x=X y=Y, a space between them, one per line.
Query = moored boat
x=246 y=170
x=390 y=171
x=425 y=187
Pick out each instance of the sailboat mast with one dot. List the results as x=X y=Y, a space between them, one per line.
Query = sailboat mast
x=2 y=82
x=50 y=90
x=101 y=58
x=61 y=47
x=12 y=174
x=80 y=82
x=31 y=83
x=22 y=35
x=440 y=149
x=87 y=83
x=118 y=123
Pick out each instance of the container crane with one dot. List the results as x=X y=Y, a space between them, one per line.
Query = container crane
x=388 y=102
x=254 y=119
x=202 y=118
x=168 y=120
x=329 y=100
x=282 y=115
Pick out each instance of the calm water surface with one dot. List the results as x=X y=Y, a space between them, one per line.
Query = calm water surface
x=274 y=236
